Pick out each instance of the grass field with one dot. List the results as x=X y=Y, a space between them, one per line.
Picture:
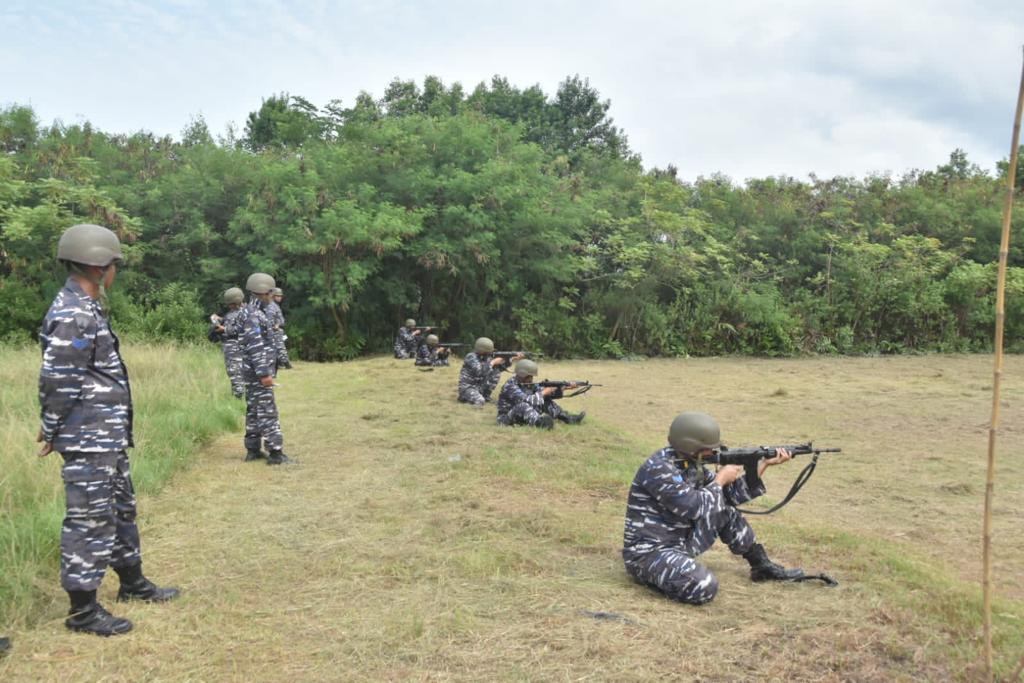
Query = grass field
x=418 y=541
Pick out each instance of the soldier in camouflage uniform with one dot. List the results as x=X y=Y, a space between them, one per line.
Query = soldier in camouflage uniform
x=480 y=373
x=405 y=340
x=432 y=355
x=276 y=317
x=86 y=416
x=227 y=328
x=259 y=353
x=677 y=509
x=521 y=402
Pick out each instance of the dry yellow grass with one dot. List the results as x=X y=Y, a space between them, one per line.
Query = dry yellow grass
x=417 y=541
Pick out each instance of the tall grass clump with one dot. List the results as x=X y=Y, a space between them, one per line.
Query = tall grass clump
x=181 y=398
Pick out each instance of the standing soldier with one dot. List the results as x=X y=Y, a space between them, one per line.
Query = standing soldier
x=276 y=316
x=227 y=328
x=256 y=340
x=430 y=354
x=522 y=403
x=677 y=509
x=405 y=340
x=86 y=404
x=480 y=373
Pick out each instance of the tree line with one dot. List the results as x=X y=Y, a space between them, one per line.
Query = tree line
x=507 y=212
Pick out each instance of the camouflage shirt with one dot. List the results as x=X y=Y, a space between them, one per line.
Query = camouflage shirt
x=669 y=496
x=514 y=393
x=430 y=356
x=478 y=374
x=84 y=393
x=256 y=340
x=405 y=343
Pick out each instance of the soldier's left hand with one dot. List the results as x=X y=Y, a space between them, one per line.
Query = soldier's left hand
x=781 y=456
x=47 y=446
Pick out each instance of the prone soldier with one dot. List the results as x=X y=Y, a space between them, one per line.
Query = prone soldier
x=86 y=402
x=521 y=402
x=430 y=354
x=259 y=353
x=677 y=508
x=480 y=373
x=227 y=329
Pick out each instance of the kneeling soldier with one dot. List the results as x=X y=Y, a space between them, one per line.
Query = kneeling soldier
x=431 y=354
x=677 y=508
x=480 y=373
x=521 y=402
x=87 y=417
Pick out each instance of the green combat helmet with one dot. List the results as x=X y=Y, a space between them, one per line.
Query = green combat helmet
x=277 y=291
x=526 y=368
x=234 y=296
x=693 y=431
x=483 y=345
x=260 y=283
x=89 y=245
x=432 y=340
x=410 y=322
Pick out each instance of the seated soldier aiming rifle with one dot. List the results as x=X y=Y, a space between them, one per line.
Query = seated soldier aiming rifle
x=677 y=508
x=525 y=402
x=430 y=354
x=481 y=371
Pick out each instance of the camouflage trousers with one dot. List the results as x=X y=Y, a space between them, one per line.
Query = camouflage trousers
x=233 y=364
x=282 y=350
x=261 y=419
x=475 y=395
x=99 y=525
x=674 y=571
x=525 y=414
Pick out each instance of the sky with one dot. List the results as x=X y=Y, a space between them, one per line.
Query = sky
x=749 y=88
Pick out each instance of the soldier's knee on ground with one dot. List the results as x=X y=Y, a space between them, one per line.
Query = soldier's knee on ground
x=698 y=588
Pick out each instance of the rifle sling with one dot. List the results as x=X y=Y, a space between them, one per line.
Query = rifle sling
x=801 y=479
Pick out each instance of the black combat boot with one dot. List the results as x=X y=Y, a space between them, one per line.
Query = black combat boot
x=763 y=569
x=251 y=455
x=135 y=586
x=88 y=616
x=5 y=646
x=545 y=422
x=279 y=458
x=570 y=419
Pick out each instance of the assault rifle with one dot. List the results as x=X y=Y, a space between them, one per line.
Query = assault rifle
x=750 y=457
x=582 y=386
x=509 y=355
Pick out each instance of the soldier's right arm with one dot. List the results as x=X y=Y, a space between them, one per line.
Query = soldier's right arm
x=677 y=494
x=253 y=348
x=68 y=346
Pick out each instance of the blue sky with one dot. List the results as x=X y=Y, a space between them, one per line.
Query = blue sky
x=745 y=88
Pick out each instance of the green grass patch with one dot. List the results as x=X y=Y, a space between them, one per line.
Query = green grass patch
x=182 y=400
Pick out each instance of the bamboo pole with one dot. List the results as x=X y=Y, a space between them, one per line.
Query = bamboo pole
x=1004 y=250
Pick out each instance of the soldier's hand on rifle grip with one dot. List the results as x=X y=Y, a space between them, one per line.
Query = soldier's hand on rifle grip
x=497 y=362
x=416 y=332
x=547 y=391
x=728 y=474
x=781 y=456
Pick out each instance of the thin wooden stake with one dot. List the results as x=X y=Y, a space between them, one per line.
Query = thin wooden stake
x=1004 y=250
